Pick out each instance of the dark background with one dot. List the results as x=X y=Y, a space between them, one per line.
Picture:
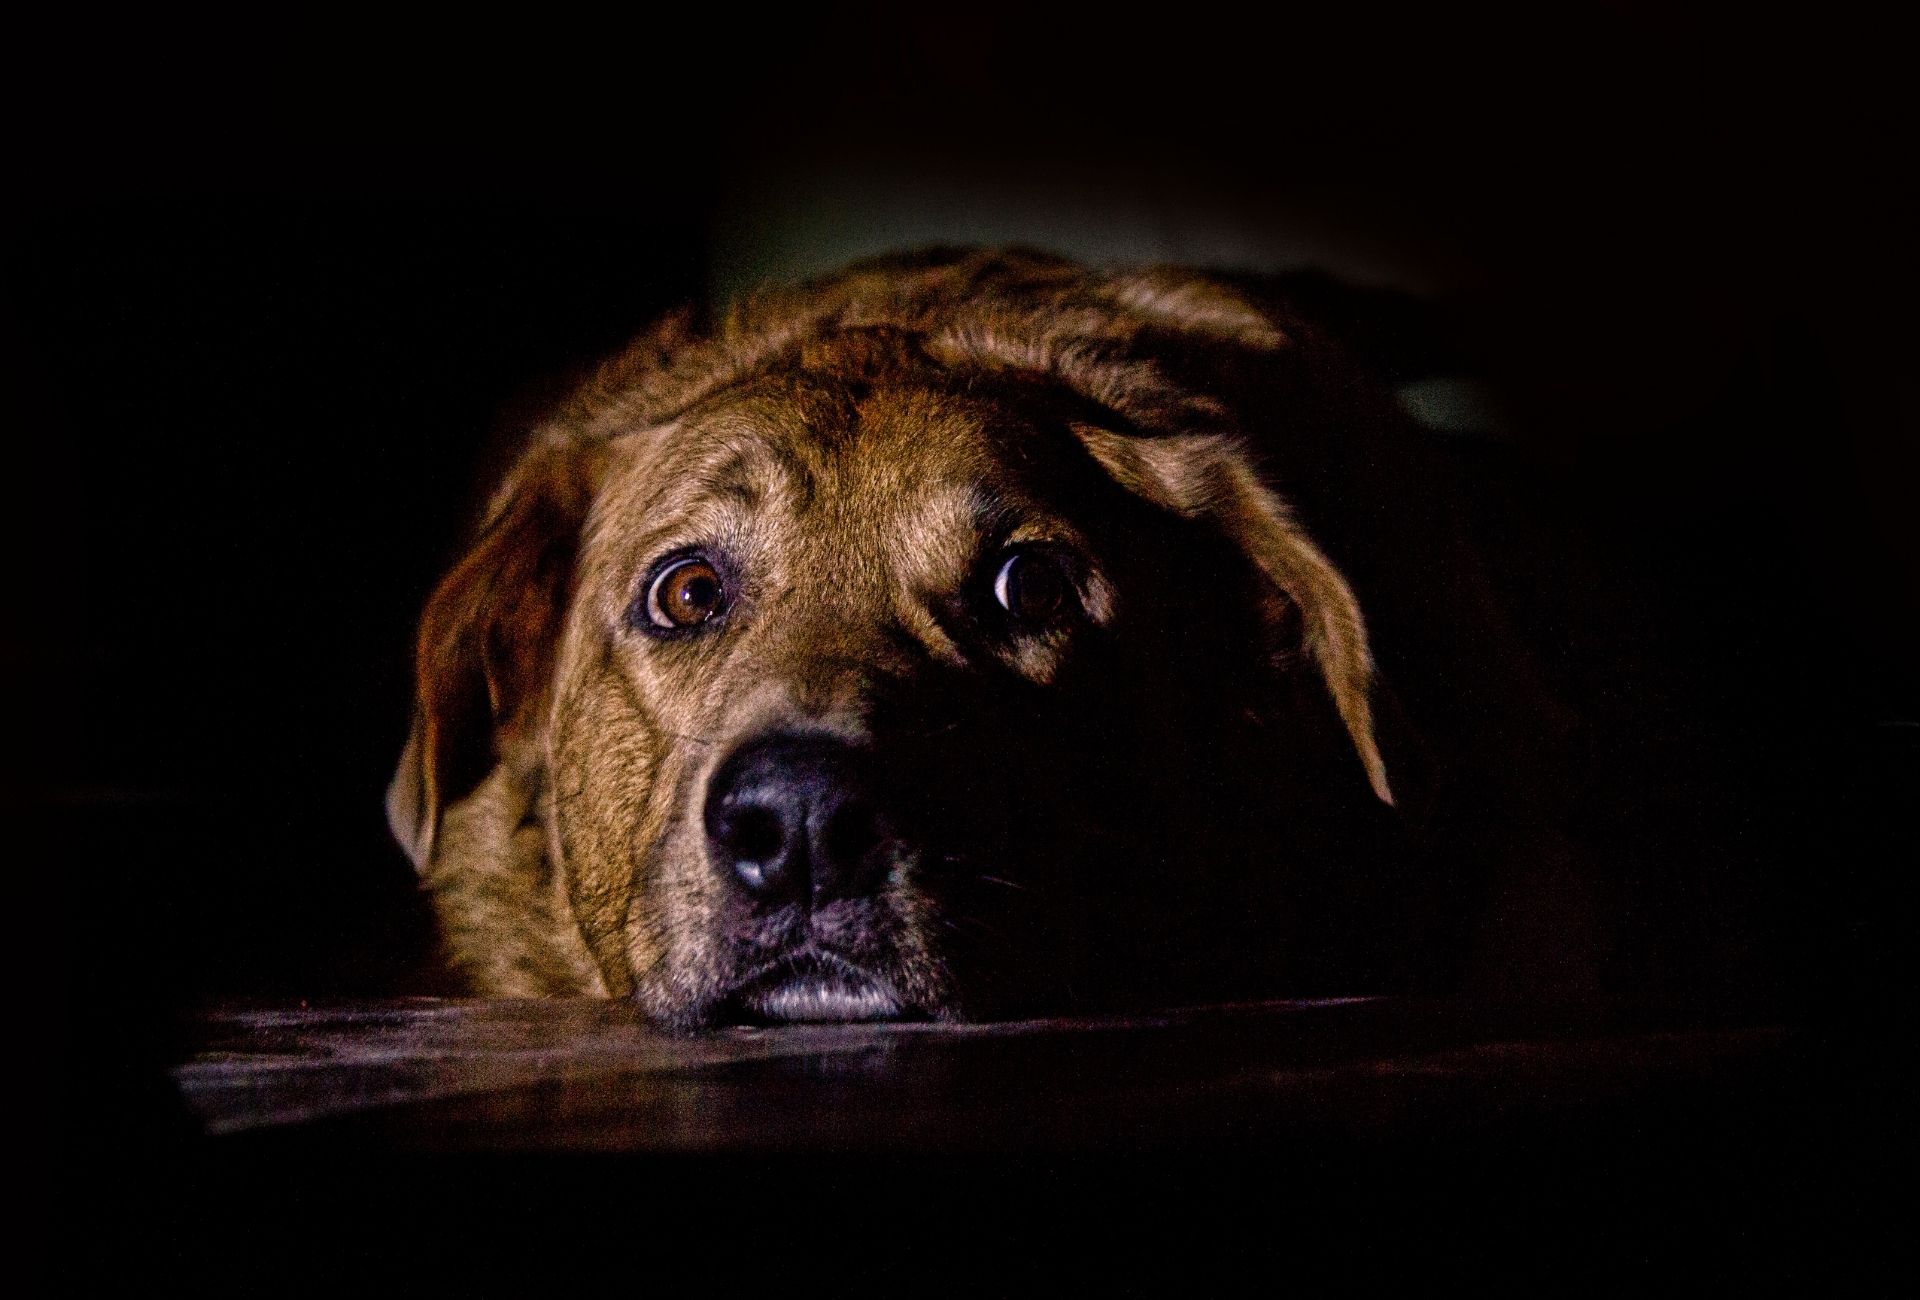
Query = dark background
x=280 y=297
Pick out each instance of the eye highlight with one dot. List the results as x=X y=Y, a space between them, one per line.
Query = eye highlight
x=1032 y=585
x=683 y=595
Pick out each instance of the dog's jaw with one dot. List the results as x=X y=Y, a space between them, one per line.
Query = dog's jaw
x=815 y=989
x=829 y=998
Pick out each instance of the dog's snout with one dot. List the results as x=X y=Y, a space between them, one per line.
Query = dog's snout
x=797 y=819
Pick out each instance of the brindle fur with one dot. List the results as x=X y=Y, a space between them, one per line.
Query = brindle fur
x=858 y=447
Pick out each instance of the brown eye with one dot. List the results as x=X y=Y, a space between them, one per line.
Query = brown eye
x=1031 y=585
x=685 y=594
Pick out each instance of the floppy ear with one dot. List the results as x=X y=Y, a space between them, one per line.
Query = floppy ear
x=484 y=657
x=1209 y=476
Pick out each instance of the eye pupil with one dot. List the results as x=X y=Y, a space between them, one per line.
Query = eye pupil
x=686 y=594
x=1030 y=586
x=697 y=592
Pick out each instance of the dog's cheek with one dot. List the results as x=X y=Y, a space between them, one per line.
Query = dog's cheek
x=917 y=958
x=607 y=810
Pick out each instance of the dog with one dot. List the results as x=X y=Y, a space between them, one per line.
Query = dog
x=945 y=639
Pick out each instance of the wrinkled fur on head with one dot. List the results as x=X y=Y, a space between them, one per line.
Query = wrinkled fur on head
x=855 y=444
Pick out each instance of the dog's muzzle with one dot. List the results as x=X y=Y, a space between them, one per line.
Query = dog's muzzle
x=794 y=819
x=795 y=824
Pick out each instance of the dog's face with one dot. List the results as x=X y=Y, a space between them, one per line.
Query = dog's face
x=878 y=681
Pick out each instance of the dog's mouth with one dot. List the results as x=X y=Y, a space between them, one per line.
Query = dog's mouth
x=811 y=986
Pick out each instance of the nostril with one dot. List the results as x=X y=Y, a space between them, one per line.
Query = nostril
x=851 y=833
x=754 y=834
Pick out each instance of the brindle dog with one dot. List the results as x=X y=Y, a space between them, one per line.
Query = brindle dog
x=931 y=641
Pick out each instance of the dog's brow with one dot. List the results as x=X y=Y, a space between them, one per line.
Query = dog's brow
x=946 y=513
x=732 y=482
x=739 y=474
x=993 y=517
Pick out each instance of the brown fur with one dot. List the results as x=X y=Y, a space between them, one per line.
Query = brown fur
x=852 y=442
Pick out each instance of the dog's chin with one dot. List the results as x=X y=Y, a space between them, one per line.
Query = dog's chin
x=821 y=998
x=812 y=992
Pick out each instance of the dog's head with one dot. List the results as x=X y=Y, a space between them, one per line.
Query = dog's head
x=918 y=644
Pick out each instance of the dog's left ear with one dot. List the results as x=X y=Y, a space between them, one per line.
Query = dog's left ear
x=1211 y=477
x=484 y=658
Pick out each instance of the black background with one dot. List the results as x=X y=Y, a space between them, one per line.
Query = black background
x=280 y=294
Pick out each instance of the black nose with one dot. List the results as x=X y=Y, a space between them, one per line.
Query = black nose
x=795 y=819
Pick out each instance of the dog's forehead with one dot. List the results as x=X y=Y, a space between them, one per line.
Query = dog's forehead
x=917 y=466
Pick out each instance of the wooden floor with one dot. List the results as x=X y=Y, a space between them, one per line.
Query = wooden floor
x=492 y=1146
x=436 y=1075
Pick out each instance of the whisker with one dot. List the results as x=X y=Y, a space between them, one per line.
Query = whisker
x=955 y=923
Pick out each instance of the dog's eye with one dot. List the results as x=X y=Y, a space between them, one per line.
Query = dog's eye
x=1032 y=586
x=685 y=594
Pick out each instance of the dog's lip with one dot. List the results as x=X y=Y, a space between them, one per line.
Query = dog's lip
x=815 y=986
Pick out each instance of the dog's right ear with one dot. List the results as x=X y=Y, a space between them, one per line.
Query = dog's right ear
x=484 y=658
